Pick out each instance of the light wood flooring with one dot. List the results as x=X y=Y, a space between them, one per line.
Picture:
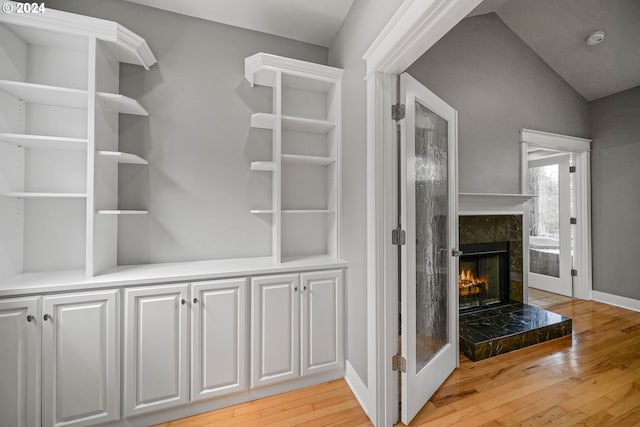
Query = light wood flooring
x=544 y=299
x=594 y=382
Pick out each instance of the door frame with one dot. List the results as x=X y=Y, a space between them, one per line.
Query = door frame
x=581 y=149
x=415 y=27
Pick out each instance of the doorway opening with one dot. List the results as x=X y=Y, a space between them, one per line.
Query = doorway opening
x=556 y=169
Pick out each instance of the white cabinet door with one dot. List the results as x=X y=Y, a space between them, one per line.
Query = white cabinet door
x=20 y=362
x=80 y=359
x=275 y=328
x=155 y=348
x=321 y=313
x=218 y=338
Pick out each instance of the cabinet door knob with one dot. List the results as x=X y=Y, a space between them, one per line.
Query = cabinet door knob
x=183 y=301
x=195 y=300
x=295 y=289
x=46 y=317
x=304 y=288
x=30 y=318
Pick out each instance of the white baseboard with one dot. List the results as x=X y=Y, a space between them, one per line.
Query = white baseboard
x=357 y=386
x=618 y=301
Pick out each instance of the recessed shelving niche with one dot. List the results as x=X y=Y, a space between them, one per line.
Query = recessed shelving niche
x=59 y=106
x=305 y=165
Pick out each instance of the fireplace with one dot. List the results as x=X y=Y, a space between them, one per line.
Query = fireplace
x=483 y=279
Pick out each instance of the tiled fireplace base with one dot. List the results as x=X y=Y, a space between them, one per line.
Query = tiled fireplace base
x=494 y=331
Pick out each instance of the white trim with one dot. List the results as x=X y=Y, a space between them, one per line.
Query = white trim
x=85 y=26
x=414 y=28
x=492 y=204
x=582 y=261
x=555 y=141
x=357 y=386
x=617 y=300
x=581 y=147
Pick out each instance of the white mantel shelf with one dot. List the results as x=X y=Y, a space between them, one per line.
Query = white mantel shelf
x=492 y=203
x=148 y=274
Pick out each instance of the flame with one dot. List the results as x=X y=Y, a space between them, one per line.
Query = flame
x=469 y=284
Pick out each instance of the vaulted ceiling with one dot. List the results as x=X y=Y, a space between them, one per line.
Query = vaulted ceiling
x=311 y=21
x=557 y=30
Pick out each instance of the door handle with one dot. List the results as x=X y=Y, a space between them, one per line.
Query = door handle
x=456 y=253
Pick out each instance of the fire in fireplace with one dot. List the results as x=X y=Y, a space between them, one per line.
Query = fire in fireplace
x=483 y=278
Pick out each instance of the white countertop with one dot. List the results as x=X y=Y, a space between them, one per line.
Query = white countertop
x=75 y=280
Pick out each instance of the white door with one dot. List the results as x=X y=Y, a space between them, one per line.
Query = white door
x=275 y=329
x=428 y=192
x=20 y=362
x=155 y=348
x=549 y=225
x=321 y=313
x=218 y=338
x=80 y=359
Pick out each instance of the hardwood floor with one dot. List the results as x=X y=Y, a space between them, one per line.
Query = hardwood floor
x=594 y=382
x=544 y=299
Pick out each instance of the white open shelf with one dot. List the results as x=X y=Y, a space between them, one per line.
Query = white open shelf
x=308 y=160
x=121 y=212
x=45 y=94
x=42 y=141
x=67 y=97
x=293 y=211
x=263 y=121
x=306 y=125
x=120 y=157
x=29 y=195
x=301 y=90
x=121 y=104
x=263 y=166
x=300 y=124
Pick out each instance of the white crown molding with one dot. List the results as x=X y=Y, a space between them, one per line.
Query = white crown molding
x=264 y=61
x=423 y=23
x=553 y=140
x=120 y=37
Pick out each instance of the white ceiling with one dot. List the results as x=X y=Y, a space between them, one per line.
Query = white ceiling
x=311 y=21
x=556 y=31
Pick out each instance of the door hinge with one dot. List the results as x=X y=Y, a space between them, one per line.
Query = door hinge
x=397 y=112
x=398 y=237
x=572 y=169
x=574 y=272
x=399 y=363
x=573 y=220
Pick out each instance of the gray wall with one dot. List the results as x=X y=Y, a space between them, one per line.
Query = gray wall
x=615 y=193
x=198 y=186
x=364 y=21
x=498 y=85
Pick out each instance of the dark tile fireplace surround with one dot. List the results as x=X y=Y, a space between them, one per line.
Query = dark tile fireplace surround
x=493 y=318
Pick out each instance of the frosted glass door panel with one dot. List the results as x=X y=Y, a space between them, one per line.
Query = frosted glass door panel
x=432 y=204
x=428 y=194
x=544 y=220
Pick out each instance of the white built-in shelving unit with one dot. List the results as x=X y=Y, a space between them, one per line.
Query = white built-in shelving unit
x=305 y=163
x=59 y=156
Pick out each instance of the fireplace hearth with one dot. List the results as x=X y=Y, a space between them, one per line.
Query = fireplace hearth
x=493 y=319
x=483 y=279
